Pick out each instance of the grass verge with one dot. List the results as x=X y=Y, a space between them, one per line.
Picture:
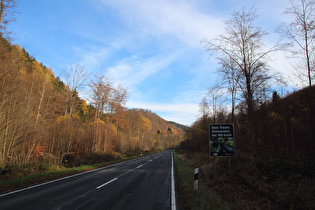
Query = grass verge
x=262 y=182
x=204 y=198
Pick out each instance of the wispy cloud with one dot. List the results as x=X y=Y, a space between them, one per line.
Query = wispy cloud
x=133 y=70
x=184 y=113
x=177 y=18
x=91 y=57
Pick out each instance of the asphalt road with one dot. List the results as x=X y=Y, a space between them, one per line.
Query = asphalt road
x=142 y=183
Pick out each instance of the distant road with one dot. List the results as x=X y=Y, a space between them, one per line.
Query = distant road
x=142 y=183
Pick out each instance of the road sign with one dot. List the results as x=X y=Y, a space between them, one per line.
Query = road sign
x=222 y=142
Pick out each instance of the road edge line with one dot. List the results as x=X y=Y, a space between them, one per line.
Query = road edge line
x=173 y=206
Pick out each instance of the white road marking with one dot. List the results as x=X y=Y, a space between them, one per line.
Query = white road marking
x=106 y=183
x=173 y=186
x=140 y=166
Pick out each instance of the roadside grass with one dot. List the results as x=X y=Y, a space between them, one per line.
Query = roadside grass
x=262 y=182
x=23 y=176
x=204 y=198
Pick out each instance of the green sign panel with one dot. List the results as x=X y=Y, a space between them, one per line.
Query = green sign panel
x=222 y=142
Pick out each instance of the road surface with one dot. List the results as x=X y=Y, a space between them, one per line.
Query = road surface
x=142 y=183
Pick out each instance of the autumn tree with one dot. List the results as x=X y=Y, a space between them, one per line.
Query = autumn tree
x=118 y=101
x=243 y=46
x=101 y=89
x=301 y=31
x=12 y=117
x=25 y=103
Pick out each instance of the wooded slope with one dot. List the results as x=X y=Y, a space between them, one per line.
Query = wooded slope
x=42 y=118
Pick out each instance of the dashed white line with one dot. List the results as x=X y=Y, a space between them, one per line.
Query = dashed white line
x=106 y=183
x=140 y=166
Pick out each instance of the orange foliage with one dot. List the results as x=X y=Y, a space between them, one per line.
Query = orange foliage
x=38 y=151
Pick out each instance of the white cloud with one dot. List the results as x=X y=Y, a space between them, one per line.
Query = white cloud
x=158 y=18
x=133 y=70
x=91 y=57
x=184 y=24
x=184 y=113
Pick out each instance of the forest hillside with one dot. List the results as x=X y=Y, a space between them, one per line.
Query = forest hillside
x=43 y=118
x=282 y=126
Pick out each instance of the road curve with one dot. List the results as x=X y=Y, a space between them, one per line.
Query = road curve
x=142 y=183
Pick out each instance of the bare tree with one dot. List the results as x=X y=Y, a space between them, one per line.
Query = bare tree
x=76 y=77
x=204 y=107
x=230 y=77
x=7 y=12
x=301 y=31
x=215 y=95
x=243 y=46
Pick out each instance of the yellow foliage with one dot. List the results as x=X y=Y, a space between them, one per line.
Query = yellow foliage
x=98 y=122
x=84 y=107
x=60 y=119
x=135 y=139
x=112 y=127
x=145 y=123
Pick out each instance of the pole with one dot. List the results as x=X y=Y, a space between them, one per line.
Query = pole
x=196 y=180
x=215 y=165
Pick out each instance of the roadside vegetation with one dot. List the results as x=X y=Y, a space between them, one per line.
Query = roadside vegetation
x=204 y=198
x=265 y=182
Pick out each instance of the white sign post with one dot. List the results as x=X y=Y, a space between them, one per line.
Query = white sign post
x=196 y=180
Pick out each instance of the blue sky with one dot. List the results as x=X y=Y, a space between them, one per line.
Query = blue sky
x=151 y=47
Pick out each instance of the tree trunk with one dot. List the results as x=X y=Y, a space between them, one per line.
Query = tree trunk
x=308 y=60
x=250 y=110
x=1 y=10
